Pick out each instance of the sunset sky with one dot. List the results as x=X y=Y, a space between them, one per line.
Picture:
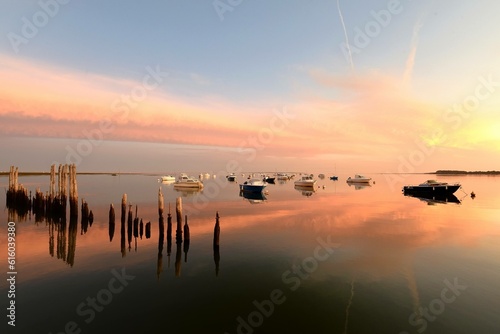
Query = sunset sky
x=352 y=86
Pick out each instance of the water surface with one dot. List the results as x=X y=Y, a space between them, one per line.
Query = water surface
x=336 y=260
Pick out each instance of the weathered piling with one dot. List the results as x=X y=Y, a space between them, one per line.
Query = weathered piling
x=73 y=191
x=124 y=208
x=136 y=227
x=85 y=216
x=18 y=200
x=216 y=230
x=161 y=221
x=187 y=238
x=178 y=211
x=161 y=234
x=216 y=244
x=148 y=230
x=160 y=203
x=129 y=227
x=122 y=225
x=141 y=228
x=111 y=222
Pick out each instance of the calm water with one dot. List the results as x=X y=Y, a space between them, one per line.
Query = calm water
x=339 y=260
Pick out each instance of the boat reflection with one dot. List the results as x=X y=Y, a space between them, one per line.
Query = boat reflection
x=359 y=186
x=305 y=190
x=431 y=199
x=253 y=197
x=188 y=192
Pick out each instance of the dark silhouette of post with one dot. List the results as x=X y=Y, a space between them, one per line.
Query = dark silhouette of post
x=178 y=211
x=216 y=243
x=111 y=222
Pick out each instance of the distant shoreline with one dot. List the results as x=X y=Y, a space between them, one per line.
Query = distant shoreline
x=438 y=172
x=463 y=172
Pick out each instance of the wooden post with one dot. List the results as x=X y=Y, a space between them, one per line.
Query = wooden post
x=148 y=230
x=124 y=208
x=141 y=229
x=129 y=227
x=160 y=203
x=178 y=211
x=187 y=238
x=111 y=222
x=216 y=244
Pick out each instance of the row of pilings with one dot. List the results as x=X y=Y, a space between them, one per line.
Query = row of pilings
x=129 y=224
x=50 y=205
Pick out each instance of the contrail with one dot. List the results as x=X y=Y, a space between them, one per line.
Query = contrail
x=345 y=34
x=410 y=61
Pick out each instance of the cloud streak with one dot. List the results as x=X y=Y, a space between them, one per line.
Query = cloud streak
x=348 y=46
x=410 y=61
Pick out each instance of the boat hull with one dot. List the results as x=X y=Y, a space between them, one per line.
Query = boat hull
x=304 y=184
x=190 y=185
x=251 y=188
x=431 y=190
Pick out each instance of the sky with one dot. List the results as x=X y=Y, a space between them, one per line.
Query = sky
x=323 y=86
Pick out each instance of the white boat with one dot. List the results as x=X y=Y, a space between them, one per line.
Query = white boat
x=305 y=181
x=359 y=179
x=282 y=176
x=167 y=178
x=184 y=181
x=253 y=185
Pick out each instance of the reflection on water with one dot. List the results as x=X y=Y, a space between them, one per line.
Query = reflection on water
x=393 y=259
x=436 y=199
x=305 y=191
x=253 y=197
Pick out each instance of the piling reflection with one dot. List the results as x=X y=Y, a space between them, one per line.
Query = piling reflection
x=72 y=233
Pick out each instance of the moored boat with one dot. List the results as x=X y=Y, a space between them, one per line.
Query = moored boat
x=184 y=181
x=268 y=179
x=167 y=178
x=231 y=177
x=305 y=181
x=358 y=178
x=432 y=187
x=253 y=185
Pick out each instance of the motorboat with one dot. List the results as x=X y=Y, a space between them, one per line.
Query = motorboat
x=432 y=187
x=283 y=176
x=305 y=181
x=231 y=177
x=184 y=181
x=167 y=178
x=268 y=179
x=253 y=185
x=358 y=179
